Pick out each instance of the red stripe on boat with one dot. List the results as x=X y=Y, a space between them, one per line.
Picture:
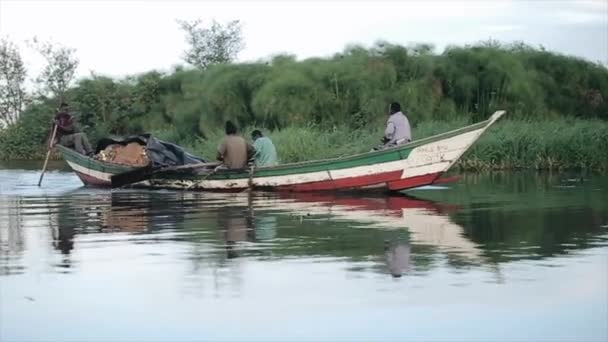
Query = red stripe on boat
x=344 y=183
x=90 y=180
x=414 y=182
x=392 y=203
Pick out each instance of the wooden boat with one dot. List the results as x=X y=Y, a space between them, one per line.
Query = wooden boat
x=421 y=162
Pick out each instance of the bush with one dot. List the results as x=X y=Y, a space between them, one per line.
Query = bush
x=328 y=101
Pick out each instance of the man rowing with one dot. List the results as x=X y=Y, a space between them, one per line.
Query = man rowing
x=68 y=133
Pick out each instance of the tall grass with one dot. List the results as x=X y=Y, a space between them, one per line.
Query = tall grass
x=510 y=144
x=327 y=107
x=555 y=144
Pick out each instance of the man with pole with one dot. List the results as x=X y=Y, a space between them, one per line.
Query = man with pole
x=67 y=134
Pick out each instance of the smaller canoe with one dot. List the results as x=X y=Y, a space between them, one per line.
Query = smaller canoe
x=92 y=172
x=418 y=163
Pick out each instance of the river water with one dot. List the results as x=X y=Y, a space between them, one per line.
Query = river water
x=494 y=257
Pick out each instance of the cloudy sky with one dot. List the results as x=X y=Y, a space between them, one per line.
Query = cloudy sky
x=117 y=38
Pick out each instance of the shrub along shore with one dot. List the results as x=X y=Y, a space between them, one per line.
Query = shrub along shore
x=510 y=144
x=557 y=106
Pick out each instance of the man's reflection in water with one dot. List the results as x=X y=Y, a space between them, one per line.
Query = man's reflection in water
x=103 y=213
x=265 y=228
x=64 y=239
x=236 y=227
x=240 y=224
x=397 y=257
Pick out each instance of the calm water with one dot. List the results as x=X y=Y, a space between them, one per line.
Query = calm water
x=495 y=257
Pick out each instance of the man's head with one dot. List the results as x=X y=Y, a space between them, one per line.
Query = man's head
x=230 y=128
x=394 y=108
x=64 y=107
x=256 y=134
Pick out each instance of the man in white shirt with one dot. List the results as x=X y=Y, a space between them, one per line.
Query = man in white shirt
x=397 y=130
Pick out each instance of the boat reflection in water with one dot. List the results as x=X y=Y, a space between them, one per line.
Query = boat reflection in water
x=173 y=265
x=268 y=225
x=426 y=223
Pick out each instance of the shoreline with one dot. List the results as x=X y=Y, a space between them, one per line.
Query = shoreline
x=559 y=144
x=462 y=166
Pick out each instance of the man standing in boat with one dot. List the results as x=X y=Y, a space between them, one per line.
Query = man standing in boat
x=234 y=151
x=68 y=133
x=397 y=130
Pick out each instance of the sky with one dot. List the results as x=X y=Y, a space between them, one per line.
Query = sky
x=119 y=38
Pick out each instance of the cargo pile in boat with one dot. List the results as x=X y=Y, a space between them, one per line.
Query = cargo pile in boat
x=132 y=154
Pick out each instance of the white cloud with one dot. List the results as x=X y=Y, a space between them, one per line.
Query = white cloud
x=596 y=6
x=582 y=17
x=504 y=28
x=126 y=37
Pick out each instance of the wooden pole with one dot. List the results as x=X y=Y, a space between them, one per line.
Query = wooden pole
x=251 y=170
x=48 y=153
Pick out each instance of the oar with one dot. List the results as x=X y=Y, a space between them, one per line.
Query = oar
x=215 y=170
x=251 y=170
x=48 y=153
x=145 y=173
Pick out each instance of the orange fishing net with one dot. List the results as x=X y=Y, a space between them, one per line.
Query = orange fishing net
x=132 y=154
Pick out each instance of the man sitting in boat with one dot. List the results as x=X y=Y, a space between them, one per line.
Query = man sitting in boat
x=265 y=152
x=397 y=130
x=68 y=133
x=234 y=151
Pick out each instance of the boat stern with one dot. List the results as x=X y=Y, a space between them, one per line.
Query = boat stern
x=91 y=172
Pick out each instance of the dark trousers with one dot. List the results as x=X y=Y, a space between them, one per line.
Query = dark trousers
x=77 y=141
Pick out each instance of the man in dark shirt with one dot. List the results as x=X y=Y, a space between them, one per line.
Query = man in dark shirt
x=68 y=133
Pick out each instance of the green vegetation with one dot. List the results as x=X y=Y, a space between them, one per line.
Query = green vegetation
x=511 y=144
x=317 y=108
x=553 y=144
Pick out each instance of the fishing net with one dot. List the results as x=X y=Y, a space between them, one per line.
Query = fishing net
x=131 y=154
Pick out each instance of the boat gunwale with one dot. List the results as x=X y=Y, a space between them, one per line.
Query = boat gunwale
x=83 y=160
x=414 y=143
x=243 y=173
